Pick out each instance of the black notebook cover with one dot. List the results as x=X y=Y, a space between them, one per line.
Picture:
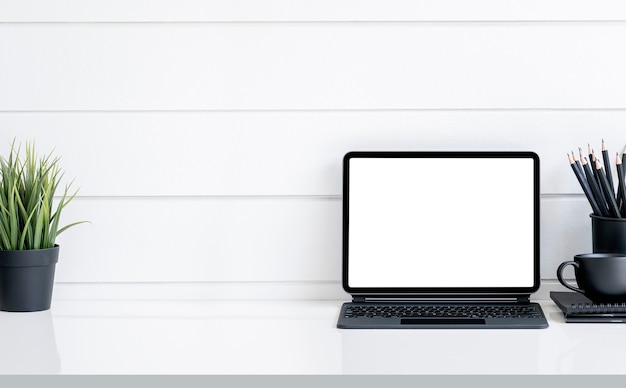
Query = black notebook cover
x=578 y=308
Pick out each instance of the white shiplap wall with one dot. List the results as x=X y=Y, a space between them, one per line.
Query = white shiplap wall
x=206 y=136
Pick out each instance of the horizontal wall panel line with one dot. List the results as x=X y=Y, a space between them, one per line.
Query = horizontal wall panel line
x=314 y=110
x=166 y=283
x=314 y=22
x=338 y=197
x=234 y=197
x=562 y=195
x=308 y=10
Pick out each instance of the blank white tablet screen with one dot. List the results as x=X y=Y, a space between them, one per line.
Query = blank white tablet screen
x=441 y=222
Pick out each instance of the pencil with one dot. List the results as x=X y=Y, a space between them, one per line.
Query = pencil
x=624 y=161
x=621 y=189
x=610 y=199
x=595 y=189
x=607 y=166
x=585 y=187
x=593 y=161
x=577 y=162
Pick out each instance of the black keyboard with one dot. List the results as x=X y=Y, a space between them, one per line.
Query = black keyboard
x=428 y=310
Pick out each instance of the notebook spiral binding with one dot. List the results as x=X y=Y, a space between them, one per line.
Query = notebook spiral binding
x=596 y=308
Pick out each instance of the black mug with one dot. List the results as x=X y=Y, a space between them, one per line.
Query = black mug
x=601 y=277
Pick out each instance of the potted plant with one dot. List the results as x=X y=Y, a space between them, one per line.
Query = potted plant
x=29 y=225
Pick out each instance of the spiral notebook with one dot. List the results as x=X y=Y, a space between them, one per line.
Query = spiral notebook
x=578 y=308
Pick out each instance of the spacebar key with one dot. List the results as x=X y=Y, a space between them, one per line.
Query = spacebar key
x=442 y=321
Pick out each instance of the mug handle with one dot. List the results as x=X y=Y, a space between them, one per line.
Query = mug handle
x=559 y=275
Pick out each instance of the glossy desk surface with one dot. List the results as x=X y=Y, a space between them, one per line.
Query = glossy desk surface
x=285 y=337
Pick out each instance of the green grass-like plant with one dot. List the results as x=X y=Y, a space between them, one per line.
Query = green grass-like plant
x=28 y=183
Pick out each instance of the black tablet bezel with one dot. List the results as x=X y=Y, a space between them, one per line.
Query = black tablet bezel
x=389 y=291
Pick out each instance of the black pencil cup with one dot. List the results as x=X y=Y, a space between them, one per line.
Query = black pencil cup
x=608 y=235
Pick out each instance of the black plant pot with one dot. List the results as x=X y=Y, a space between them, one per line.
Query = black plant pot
x=27 y=278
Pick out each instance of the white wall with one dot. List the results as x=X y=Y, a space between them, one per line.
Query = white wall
x=206 y=136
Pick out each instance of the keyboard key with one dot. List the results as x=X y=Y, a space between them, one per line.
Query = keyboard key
x=442 y=311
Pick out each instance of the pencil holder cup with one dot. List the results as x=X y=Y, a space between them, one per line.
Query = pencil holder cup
x=608 y=235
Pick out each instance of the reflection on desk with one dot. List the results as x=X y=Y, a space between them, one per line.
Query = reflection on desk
x=285 y=337
x=441 y=351
x=28 y=344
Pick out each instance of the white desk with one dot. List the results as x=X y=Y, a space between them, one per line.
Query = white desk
x=285 y=337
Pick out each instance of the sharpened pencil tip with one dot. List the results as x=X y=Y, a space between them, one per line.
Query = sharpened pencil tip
x=598 y=165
